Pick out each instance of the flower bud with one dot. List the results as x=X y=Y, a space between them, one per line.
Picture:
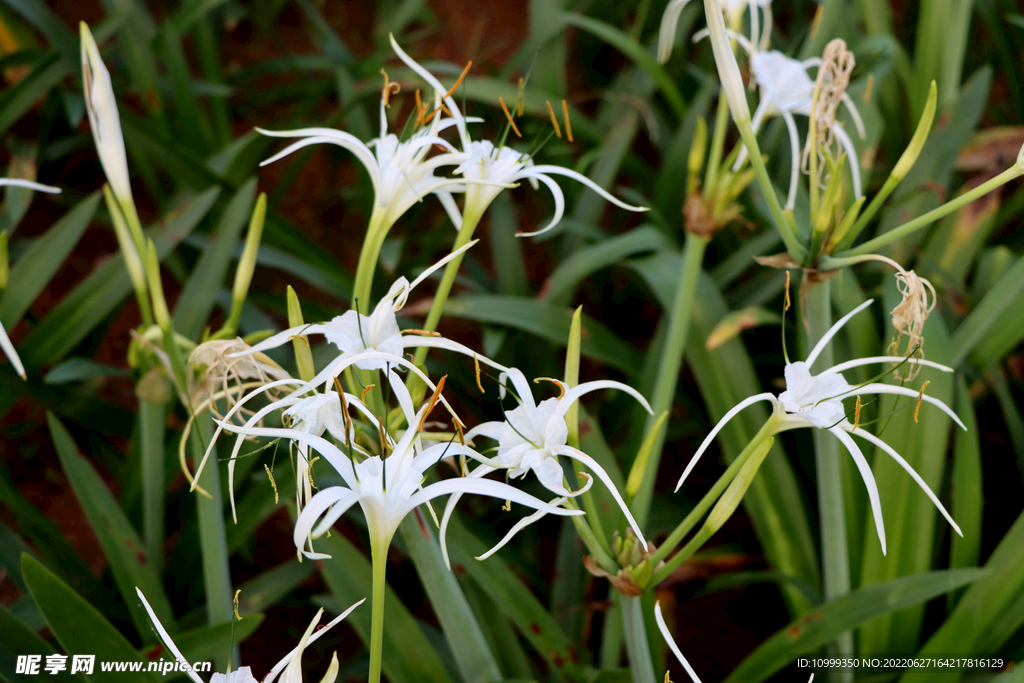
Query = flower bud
x=924 y=126
x=725 y=60
x=103 y=117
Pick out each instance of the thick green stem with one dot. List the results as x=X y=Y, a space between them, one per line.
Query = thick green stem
x=935 y=214
x=379 y=558
x=671 y=362
x=699 y=510
x=444 y=288
x=597 y=550
x=152 y=427
x=717 y=145
x=834 y=550
x=368 y=257
x=636 y=640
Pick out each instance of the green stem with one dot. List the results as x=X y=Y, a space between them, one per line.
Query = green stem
x=379 y=557
x=636 y=640
x=796 y=250
x=444 y=288
x=670 y=364
x=590 y=540
x=368 y=257
x=698 y=512
x=717 y=145
x=834 y=550
x=152 y=427
x=935 y=214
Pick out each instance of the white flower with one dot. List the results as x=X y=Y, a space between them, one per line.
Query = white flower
x=389 y=488
x=733 y=10
x=288 y=670
x=487 y=170
x=533 y=436
x=817 y=401
x=356 y=334
x=786 y=89
x=104 y=120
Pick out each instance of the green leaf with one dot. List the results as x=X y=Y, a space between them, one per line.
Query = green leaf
x=409 y=658
x=19 y=639
x=506 y=589
x=820 y=625
x=200 y=291
x=966 y=481
x=988 y=325
x=80 y=369
x=79 y=628
x=38 y=264
x=192 y=11
x=104 y=289
x=121 y=544
x=269 y=587
x=473 y=657
x=16 y=101
x=206 y=642
x=49 y=24
x=549 y=323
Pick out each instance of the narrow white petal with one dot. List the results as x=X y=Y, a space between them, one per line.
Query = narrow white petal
x=166 y=638
x=450 y=207
x=12 y=355
x=858 y=122
x=317 y=506
x=843 y=367
x=483 y=487
x=672 y=643
x=29 y=184
x=460 y=121
x=869 y=481
x=910 y=470
x=312 y=638
x=755 y=124
x=413 y=341
x=718 y=427
x=273 y=341
x=449 y=508
x=519 y=526
x=903 y=391
x=573 y=394
x=667 y=32
x=550 y=169
x=603 y=476
x=432 y=269
x=794 y=150
x=827 y=337
x=556 y=194
x=349 y=142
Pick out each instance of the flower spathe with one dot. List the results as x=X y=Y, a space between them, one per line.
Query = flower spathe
x=534 y=435
x=288 y=670
x=5 y=342
x=104 y=119
x=817 y=401
x=487 y=170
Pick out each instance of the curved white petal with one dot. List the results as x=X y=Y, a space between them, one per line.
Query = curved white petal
x=858 y=122
x=672 y=643
x=519 y=526
x=903 y=391
x=360 y=150
x=549 y=169
x=29 y=184
x=910 y=470
x=414 y=341
x=12 y=355
x=483 y=487
x=279 y=667
x=843 y=367
x=166 y=638
x=460 y=121
x=450 y=207
x=556 y=194
x=718 y=427
x=827 y=337
x=275 y=340
x=851 y=156
x=869 y=481
x=573 y=394
x=794 y=150
x=337 y=496
x=432 y=269
x=449 y=508
x=607 y=480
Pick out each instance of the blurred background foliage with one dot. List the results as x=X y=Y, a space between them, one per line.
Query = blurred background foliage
x=194 y=77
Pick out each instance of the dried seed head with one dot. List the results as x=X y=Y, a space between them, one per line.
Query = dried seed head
x=833 y=78
x=223 y=375
x=908 y=318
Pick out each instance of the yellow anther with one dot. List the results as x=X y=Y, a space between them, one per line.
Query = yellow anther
x=235 y=604
x=920 y=397
x=565 y=117
x=432 y=403
x=389 y=87
x=299 y=336
x=476 y=366
x=788 y=303
x=508 y=115
x=273 y=483
x=561 y=385
x=856 y=415
x=424 y=333
x=449 y=93
x=420 y=108
x=522 y=97
x=554 y=121
x=370 y=386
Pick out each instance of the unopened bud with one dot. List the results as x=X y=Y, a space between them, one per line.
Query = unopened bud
x=104 y=119
x=131 y=255
x=303 y=356
x=924 y=126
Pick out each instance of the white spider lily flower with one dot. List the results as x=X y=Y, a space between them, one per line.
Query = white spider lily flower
x=356 y=334
x=817 y=401
x=733 y=11
x=104 y=119
x=534 y=435
x=487 y=170
x=786 y=89
x=288 y=670
x=387 y=489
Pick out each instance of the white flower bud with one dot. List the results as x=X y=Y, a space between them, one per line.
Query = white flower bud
x=103 y=118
